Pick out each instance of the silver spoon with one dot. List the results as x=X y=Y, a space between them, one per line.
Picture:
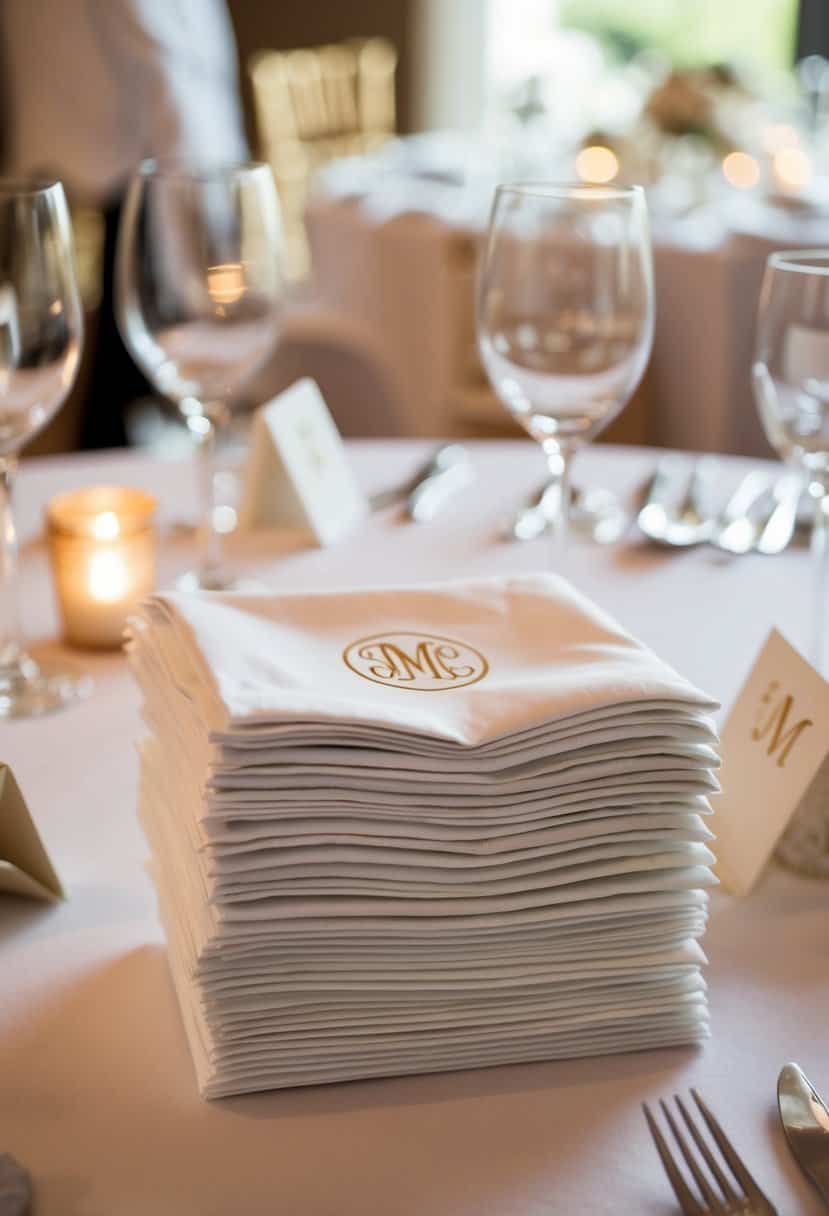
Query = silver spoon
x=781 y=524
x=737 y=529
x=681 y=524
x=761 y=515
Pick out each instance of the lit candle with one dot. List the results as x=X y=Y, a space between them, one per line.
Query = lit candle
x=102 y=549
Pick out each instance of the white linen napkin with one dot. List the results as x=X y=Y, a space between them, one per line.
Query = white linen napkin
x=532 y=649
x=421 y=828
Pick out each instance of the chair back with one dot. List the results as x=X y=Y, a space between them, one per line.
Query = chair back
x=313 y=106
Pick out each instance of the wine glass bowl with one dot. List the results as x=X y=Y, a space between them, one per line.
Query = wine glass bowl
x=40 y=315
x=565 y=310
x=200 y=295
x=791 y=359
x=41 y=331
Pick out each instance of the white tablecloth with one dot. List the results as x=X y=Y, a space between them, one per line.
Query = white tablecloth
x=396 y=249
x=97 y=1093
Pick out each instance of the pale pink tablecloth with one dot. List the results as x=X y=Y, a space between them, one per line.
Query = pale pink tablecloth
x=97 y=1094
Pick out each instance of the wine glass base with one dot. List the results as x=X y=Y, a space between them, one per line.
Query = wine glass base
x=43 y=692
x=216 y=580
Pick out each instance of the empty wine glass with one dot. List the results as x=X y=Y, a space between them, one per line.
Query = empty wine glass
x=41 y=329
x=791 y=386
x=566 y=313
x=200 y=291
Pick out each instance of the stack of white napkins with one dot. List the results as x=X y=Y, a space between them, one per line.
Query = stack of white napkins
x=402 y=830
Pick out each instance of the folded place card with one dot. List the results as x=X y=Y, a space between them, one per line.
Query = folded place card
x=298 y=475
x=775 y=761
x=25 y=868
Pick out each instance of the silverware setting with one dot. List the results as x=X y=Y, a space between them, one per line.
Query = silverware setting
x=760 y=516
x=677 y=522
x=671 y=509
x=739 y=527
x=715 y=1193
x=805 y=1121
x=674 y=510
x=447 y=470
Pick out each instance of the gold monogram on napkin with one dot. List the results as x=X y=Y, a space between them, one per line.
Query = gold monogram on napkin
x=416 y=660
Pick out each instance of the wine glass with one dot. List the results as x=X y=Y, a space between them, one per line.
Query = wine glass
x=200 y=290
x=790 y=375
x=41 y=330
x=565 y=314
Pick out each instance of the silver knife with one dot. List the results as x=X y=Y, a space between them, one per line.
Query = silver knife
x=806 y=1124
x=782 y=522
x=451 y=473
x=533 y=519
x=442 y=457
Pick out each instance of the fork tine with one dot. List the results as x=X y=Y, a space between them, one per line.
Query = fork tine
x=685 y=1198
x=710 y=1159
x=734 y=1161
x=690 y=1160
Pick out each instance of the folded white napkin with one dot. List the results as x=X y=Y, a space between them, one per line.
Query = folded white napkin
x=465 y=663
x=421 y=828
x=618 y=1034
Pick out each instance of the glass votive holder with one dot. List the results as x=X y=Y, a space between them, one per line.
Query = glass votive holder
x=102 y=551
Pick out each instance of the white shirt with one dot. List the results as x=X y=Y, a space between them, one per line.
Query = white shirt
x=95 y=86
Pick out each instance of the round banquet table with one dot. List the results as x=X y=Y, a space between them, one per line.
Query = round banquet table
x=395 y=238
x=97 y=1091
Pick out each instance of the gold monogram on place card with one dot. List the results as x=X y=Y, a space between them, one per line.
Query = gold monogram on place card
x=422 y=662
x=772 y=726
x=775 y=771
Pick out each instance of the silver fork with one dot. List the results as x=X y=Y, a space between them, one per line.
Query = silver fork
x=749 y=1200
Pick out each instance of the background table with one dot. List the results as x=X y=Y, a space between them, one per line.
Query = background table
x=97 y=1092
x=395 y=243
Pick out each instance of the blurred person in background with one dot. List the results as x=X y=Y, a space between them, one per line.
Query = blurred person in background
x=89 y=89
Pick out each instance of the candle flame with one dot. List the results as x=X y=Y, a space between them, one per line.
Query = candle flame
x=226 y=284
x=108 y=580
x=106 y=526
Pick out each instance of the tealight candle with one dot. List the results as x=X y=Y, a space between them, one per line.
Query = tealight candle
x=102 y=548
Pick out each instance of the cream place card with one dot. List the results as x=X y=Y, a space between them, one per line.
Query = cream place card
x=775 y=750
x=25 y=868
x=298 y=475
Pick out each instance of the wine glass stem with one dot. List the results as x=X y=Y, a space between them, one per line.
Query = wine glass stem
x=820 y=562
x=559 y=460
x=13 y=659
x=210 y=555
